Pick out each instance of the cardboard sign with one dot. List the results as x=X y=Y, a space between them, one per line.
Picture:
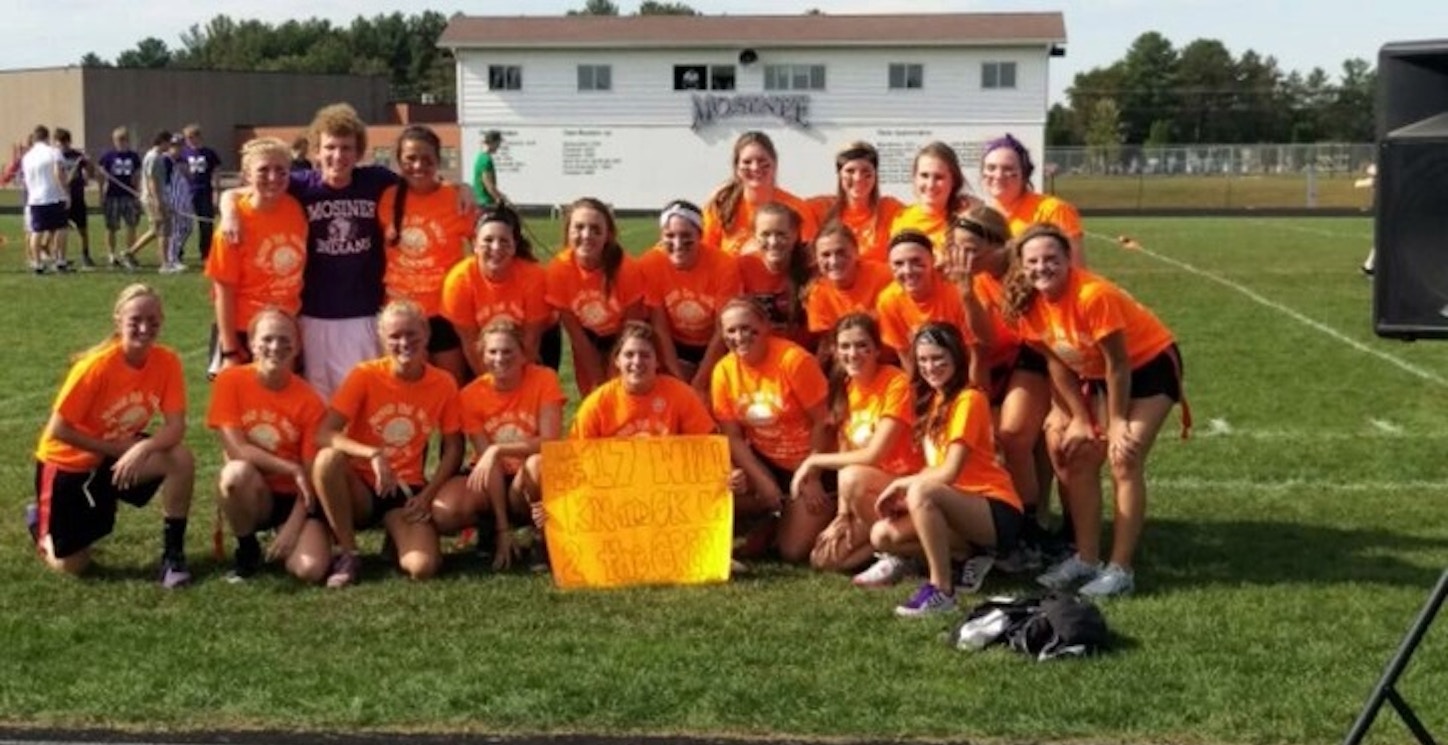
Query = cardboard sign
x=638 y=511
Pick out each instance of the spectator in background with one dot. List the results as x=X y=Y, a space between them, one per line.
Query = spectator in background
x=45 y=201
x=485 y=172
x=155 y=173
x=77 y=171
x=119 y=166
x=300 y=163
x=201 y=164
x=179 y=202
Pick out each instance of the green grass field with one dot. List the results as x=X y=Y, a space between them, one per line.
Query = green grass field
x=1288 y=546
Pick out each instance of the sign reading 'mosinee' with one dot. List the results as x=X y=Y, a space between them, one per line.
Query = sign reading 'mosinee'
x=793 y=109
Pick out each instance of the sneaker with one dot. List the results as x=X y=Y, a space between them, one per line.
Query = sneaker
x=887 y=570
x=37 y=268
x=1113 y=581
x=345 y=569
x=1070 y=572
x=32 y=521
x=927 y=601
x=1020 y=560
x=174 y=573
x=127 y=263
x=973 y=572
x=62 y=267
x=112 y=261
x=169 y=268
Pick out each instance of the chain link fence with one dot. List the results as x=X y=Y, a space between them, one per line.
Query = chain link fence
x=1272 y=176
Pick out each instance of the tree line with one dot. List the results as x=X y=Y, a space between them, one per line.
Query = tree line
x=1157 y=95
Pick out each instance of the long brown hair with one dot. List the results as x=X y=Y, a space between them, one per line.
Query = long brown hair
x=839 y=397
x=612 y=251
x=800 y=269
x=858 y=150
x=1019 y=293
x=959 y=190
x=932 y=408
x=726 y=199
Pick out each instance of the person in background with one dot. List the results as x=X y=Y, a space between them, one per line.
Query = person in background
x=179 y=200
x=201 y=164
x=78 y=171
x=45 y=202
x=940 y=193
x=301 y=149
x=155 y=175
x=485 y=171
x=844 y=283
x=777 y=276
x=120 y=204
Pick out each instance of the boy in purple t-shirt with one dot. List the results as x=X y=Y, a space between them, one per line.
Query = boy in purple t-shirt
x=120 y=166
x=201 y=164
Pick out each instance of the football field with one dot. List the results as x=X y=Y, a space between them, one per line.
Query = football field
x=1288 y=544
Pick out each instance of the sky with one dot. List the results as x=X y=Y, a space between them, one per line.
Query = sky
x=1301 y=34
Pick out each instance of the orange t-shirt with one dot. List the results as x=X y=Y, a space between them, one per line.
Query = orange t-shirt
x=870 y=226
x=1005 y=341
x=472 y=301
x=1090 y=309
x=772 y=401
x=969 y=423
x=937 y=227
x=283 y=423
x=886 y=396
x=671 y=408
x=397 y=415
x=105 y=398
x=430 y=243
x=1032 y=208
x=509 y=416
x=827 y=303
x=691 y=299
x=265 y=268
x=572 y=288
x=901 y=315
x=772 y=292
x=737 y=238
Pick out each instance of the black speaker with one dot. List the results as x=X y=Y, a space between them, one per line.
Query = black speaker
x=1410 y=284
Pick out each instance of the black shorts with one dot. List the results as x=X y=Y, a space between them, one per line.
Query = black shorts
x=381 y=504
x=48 y=218
x=1030 y=360
x=784 y=477
x=1159 y=376
x=121 y=209
x=78 y=214
x=550 y=348
x=691 y=353
x=441 y=336
x=604 y=345
x=1027 y=360
x=78 y=508
x=282 y=505
x=1008 y=523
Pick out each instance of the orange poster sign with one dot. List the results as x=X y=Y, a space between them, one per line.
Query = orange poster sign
x=638 y=511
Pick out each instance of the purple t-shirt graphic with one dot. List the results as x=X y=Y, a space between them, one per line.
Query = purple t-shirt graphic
x=345 y=260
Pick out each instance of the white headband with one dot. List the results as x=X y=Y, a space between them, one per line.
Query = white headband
x=689 y=214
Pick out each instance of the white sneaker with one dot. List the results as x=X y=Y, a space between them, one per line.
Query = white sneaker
x=973 y=573
x=1070 y=572
x=1113 y=581
x=887 y=570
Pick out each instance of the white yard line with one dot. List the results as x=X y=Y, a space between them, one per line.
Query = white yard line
x=1393 y=360
x=1280 y=225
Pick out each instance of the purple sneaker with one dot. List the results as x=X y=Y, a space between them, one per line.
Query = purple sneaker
x=927 y=601
x=345 y=569
x=174 y=573
x=32 y=521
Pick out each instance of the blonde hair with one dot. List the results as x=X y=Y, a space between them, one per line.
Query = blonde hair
x=130 y=292
x=191 y=130
x=272 y=311
x=120 y=132
x=505 y=326
x=263 y=147
x=402 y=308
x=338 y=120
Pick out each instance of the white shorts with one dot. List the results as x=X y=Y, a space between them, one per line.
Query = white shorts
x=331 y=347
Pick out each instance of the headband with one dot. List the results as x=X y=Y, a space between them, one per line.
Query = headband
x=859 y=153
x=689 y=214
x=979 y=230
x=934 y=334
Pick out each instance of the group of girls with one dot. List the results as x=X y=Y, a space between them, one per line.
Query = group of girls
x=885 y=374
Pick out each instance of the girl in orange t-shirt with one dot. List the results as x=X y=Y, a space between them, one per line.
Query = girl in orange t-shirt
x=872 y=409
x=686 y=283
x=508 y=412
x=857 y=202
x=963 y=503
x=729 y=213
x=1005 y=175
x=265 y=268
x=844 y=284
x=94 y=451
x=1093 y=333
x=769 y=396
x=374 y=442
x=503 y=282
x=940 y=192
x=919 y=295
x=777 y=275
x=594 y=287
x=640 y=402
x=267 y=418
x=424 y=234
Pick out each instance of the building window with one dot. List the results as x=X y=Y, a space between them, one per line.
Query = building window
x=998 y=75
x=906 y=76
x=595 y=78
x=703 y=77
x=505 y=78
x=794 y=77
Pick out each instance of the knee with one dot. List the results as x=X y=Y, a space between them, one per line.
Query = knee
x=918 y=498
x=419 y=565
x=180 y=461
x=795 y=550
x=1016 y=441
x=309 y=568
x=328 y=462
x=234 y=477
x=883 y=537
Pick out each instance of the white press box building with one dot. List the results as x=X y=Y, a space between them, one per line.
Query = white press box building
x=639 y=110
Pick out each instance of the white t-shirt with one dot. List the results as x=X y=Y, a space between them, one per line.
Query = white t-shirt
x=42 y=183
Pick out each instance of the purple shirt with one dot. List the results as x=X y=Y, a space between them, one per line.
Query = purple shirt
x=122 y=166
x=345 y=261
x=200 y=162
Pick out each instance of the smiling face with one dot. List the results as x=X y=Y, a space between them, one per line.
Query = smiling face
x=857 y=352
x=777 y=238
x=274 y=344
x=1046 y=264
x=934 y=363
x=680 y=239
x=1000 y=174
x=837 y=258
x=138 y=322
x=934 y=185
x=588 y=234
x=418 y=162
x=502 y=357
x=638 y=365
x=745 y=332
x=404 y=340
x=495 y=247
x=754 y=167
x=337 y=155
x=268 y=174
x=912 y=265
x=857 y=181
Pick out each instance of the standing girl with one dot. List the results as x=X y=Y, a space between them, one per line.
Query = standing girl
x=729 y=214
x=1005 y=175
x=843 y=284
x=857 y=203
x=918 y=296
x=940 y=192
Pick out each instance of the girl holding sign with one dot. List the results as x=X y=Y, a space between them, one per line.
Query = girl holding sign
x=729 y=214
x=640 y=402
x=508 y=412
x=873 y=409
x=770 y=398
x=374 y=442
x=963 y=502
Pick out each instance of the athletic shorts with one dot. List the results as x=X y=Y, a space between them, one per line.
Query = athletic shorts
x=159 y=215
x=381 y=504
x=78 y=508
x=121 y=209
x=78 y=213
x=282 y=506
x=1008 y=522
x=48 y=218
x=1159 y=376
x=1031 y=360
x=550 y=347
x=441 y=336
x=331 y=347
x=1027 y=360
x=784 y=477
x=604 y=345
